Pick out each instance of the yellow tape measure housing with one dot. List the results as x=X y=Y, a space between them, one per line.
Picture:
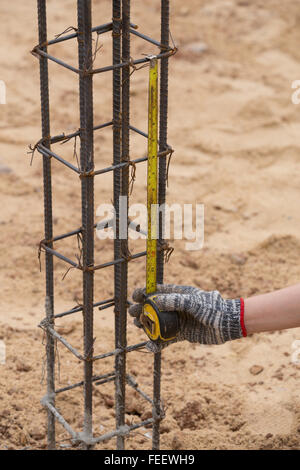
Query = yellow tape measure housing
x=158 y=325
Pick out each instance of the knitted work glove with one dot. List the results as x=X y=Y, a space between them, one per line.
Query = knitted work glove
x=204 y=317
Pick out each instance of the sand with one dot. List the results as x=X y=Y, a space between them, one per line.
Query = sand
x=236 y=134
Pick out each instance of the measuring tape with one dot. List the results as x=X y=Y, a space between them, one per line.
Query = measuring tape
x=159 y=326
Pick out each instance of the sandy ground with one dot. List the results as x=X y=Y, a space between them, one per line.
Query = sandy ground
x=236 y=135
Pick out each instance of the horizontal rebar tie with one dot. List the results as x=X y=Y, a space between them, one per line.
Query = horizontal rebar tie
x=79 y=438
x=78 y=265
x=104 y=28
x=45 y=151
x=122 y=430
x=166 y=51
x=104 y=378
x=102 y=305
x=45 y=325
x=84 y=72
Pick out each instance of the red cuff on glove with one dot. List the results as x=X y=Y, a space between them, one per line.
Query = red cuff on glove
x=244 y=331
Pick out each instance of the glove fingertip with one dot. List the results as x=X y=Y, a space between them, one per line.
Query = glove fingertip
x=135 y=310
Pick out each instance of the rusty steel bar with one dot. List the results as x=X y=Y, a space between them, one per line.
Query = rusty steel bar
x=120 y=261
x=48 y=220
x=116 y=83
x=122 y=431
x=128 y=63
x=89 y=442
x=84 y=11
x=62 y=138
x=104 y=28
x=122 y=340
x=124 y=164
x=121 y=12
x=65 y=137
x=45 y=326
x=133 y=383
x=80 y=384
x=121 y=70
x=95 y=267
x=146 y=38
x=49 y=154
x=79 y=308
x=120 y=351
x=164 y=73
x=40 y=52
x=67 y=235
x=163 y=130
x=56 y=415
x=60 y=256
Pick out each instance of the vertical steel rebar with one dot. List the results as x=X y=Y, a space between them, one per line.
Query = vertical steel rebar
x=87 y=194
x=117 y=190
x=163 y=128
x=116 y=33
x=48 y=222
x=122 y=271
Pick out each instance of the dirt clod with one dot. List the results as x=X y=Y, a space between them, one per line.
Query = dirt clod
x=255 y=370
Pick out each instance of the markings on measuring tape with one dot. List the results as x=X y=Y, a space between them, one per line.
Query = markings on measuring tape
x=159 y=326
x=152 y=185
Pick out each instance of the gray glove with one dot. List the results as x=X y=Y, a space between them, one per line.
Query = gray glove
x=204 y=317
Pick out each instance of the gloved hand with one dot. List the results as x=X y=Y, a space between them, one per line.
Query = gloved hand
x=204 y=317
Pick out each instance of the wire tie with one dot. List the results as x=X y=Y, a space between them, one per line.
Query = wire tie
x=87 y=174
x=166 y=248
x=127 y=255
x=170 y=154
x=70 y=28
x=34 y=148
x=132 y=176
x=117 y=124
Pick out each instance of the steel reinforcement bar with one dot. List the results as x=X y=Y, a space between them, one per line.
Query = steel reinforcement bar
x=48 y=221
x=121 y=29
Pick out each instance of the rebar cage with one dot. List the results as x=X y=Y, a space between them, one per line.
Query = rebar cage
x=122 y=29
